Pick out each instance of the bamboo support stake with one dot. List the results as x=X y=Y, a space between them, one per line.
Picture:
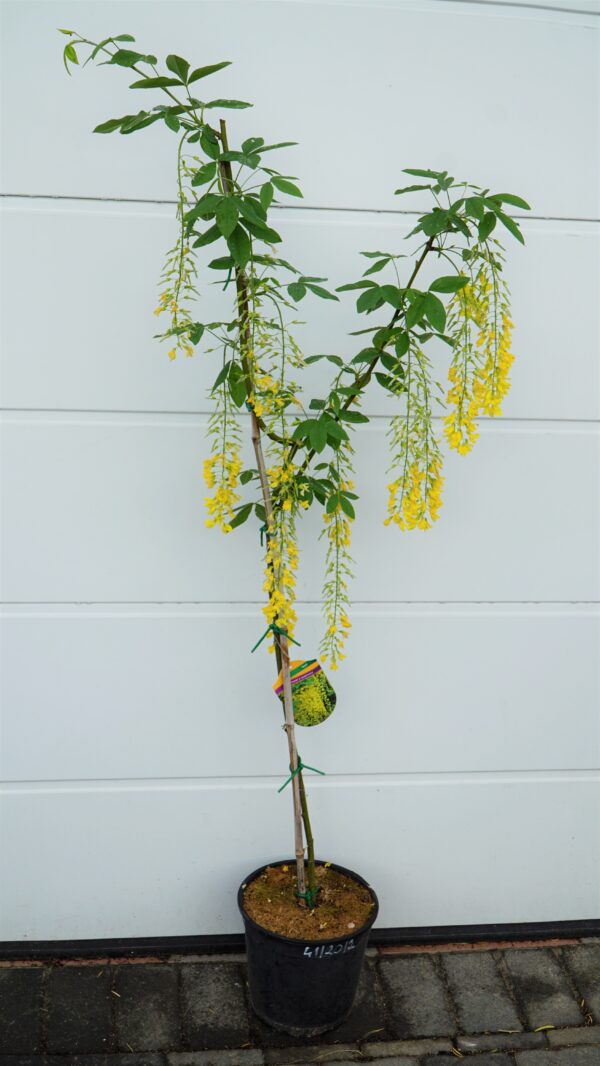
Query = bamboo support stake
x=241 y=282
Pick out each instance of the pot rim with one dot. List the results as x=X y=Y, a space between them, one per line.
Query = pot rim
x=367 y=926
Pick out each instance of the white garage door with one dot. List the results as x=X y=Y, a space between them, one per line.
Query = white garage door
x=140 y=745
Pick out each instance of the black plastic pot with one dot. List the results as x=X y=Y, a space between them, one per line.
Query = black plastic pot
x=303 y=987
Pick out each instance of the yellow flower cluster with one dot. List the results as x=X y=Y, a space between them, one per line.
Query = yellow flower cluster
x=478 y=375
x=493 y=382
x=281 y=563
x=415 y=500
x=460 y=428
x=337 y=531
x=221 y=473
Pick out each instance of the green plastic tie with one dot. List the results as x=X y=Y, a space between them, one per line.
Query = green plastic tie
x=274 y=628
x=310 y=896
x=263 y=529
x=301 y=766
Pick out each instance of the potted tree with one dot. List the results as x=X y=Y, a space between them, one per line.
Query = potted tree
x=307 y=922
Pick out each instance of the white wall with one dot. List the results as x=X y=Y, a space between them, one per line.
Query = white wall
x=140 y=769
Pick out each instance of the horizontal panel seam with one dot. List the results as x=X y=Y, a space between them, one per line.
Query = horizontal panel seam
x=299 y=602
x=268 y=780
x=382 y=416
x=296 y=208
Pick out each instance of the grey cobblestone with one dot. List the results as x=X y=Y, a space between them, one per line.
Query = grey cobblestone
x=584 y=964
x=412 y=1048
x=478 y=990
x=500 y=1042
x=573 y=1056
x=213 y=1006
x=241 y=1057
x=417 y=997
x=542 y=988
x=79 y=1010
x=587 y=1034
x=479 y=1060
x=20 y=1002
x=286 y=1056
x=147 y=1015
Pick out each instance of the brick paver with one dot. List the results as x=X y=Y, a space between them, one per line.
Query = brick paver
x=411 y=1010
x=146 y=1009
x=20 y=1009
x=543 y=988
x=213 y=1006
x=479 y=992
x=417 y=998
x=79 y=1010
x=584 y=965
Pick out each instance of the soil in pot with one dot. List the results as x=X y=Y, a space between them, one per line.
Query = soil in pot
x=343 y=905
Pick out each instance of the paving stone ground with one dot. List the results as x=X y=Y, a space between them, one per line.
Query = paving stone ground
x=517 y=1005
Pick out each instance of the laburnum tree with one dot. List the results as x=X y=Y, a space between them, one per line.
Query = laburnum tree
x=304 y=450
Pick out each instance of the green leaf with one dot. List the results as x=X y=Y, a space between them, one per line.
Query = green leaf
x=252 y=210
x=227 y=215
x=449 y=283
x=262 y=232
x=237 y=384
x=402 y=344
x=137 y=122
x=260 y=512
x=207 y=237
x=415 y=312
x=110 y=126
x=281 y=144
x=331 y=358
x=236 y=105
x=435 y=311
x=486 y=226
x=434 y=222
x=246 y=476
x=172 y=122
x=411 y=188
x=474 y=207
x=224 y=262
x=352 y=416
x=209 y=143
x=179 y=66
x=391 y=295
x=379 y=265
x=302 y=430
x=126 y=58
x=69 y=56
x=511 y=226
x=424 y=173
x=242 y=514
x=154 y=83
x=332 y=503
x=392 y=384
x=238 y=243
x=285 y=186
x=347 y=507
x=221 y=376
x=366 y=355
x=369 y=300
x=317 y=290
x=318 y=434
x=335 y=432
x=297 y=291
x=203 y=72
x=365 y=284
x=266 y=195
x=205 y=174
x=508 y=198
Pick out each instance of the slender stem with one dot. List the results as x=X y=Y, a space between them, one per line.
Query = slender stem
x=363 y=380
x=281 y=640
